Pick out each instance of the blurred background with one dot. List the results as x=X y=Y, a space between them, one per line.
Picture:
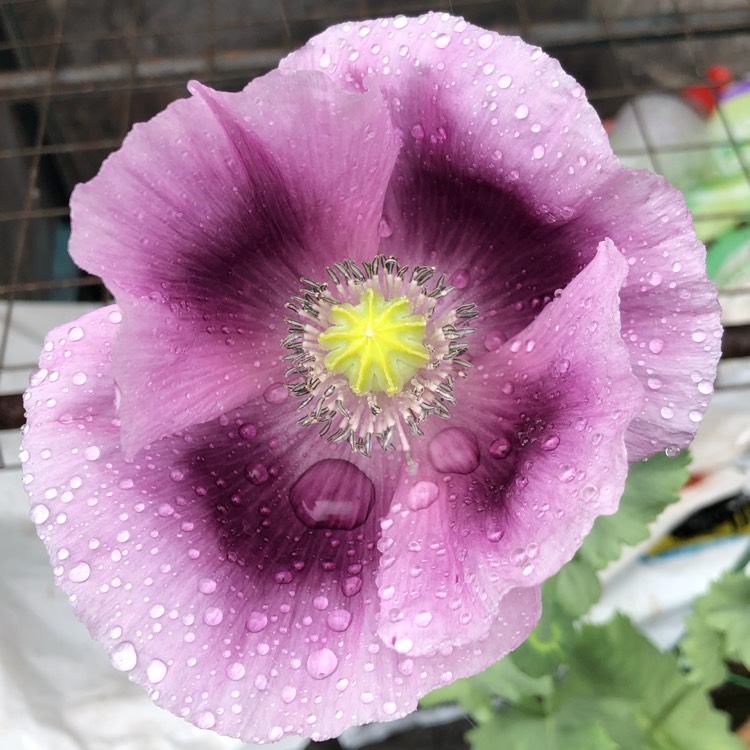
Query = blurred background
x=670 y=78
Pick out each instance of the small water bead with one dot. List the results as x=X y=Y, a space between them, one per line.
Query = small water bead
x=332 y=494
x=156 y=671
x=124 y=657
x=205 y=720
x=442 y=41
x=92 y=453
x=417 y=131
x=454 y=451
x=321 y=663
x=80 y=572
x=339 y=620
x=39 y=513
x=522 y=112
x=422 y=495
x=655 y=346
x=485 y=40
x=351 y=586
x=567 y=473
x=538 y=152
x=695 y=416
x=494 y=340
x=256 y=474
x=550 y=443
x=75 y=333
x=501 y=448
x=288 y=693
x=276 y=394
x=79 y=378
x=248 y=431
x=320 y=602
x=213 y=616
x=705 y=387
x=207 y=586
x=460 y=278
x=235 y=671
x=504 y=81
x=667 y=412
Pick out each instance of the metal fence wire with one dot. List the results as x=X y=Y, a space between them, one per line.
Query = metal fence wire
x=76 y=74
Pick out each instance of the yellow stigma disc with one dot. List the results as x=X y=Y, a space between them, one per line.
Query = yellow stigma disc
x=377 y=344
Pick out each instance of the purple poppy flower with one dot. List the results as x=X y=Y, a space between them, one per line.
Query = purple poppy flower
x=391 y=323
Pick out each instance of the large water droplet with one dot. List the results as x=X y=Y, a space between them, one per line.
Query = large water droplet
x=321 y=663
x=422 y=495
x=454 y=451
x=205 y=720
x=332 y=494
x=550 y=443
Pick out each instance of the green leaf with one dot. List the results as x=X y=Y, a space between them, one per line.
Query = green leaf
x=651 y=486
x=619 y=676
x=505 y=680
x=717 y=631
x=575 y=588
x=468 y=693
x=513 y=729
x=549 y=644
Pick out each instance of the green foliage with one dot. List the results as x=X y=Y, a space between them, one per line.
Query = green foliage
x=651 y=486
x=718 y=629
x=588 y=687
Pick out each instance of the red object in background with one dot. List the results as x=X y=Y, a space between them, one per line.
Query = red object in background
x=704 y=96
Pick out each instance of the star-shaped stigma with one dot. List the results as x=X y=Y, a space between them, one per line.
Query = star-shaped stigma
x=377 y=344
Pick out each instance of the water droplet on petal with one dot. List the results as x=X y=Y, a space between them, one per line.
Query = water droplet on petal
x=248 y=431
x=124 y=656
x=522 y=112
x=276 y=394
x=351 y=586
x=501 y=447
x=288 y=693
x=422 y=495
x=332 y=494
x=213 y=616
x=485 y=41
x=551 y=443
x=235 y=671
x=655 y=345
x=156 y=671
x=205 y=720
x=460 y=278
x=494 y=340
x=80 y=572
x=92 y=453
x=256 y=473
x=75 y=333
x=417 y=131
x=321 y=663
x=39 y=513
x=454 y=451
x=207 y=586
x=504 y=81
x=442 y=41
x=339 y=620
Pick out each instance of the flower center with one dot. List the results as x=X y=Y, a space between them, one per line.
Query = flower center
x=377 y=344
x=373 y=354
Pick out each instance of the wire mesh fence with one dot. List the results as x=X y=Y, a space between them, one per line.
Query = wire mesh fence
x=76 y=74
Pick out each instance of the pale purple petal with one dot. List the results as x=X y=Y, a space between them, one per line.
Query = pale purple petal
x=505 y=494
x=507 y=184
x=192 y=567
x=203 y=224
